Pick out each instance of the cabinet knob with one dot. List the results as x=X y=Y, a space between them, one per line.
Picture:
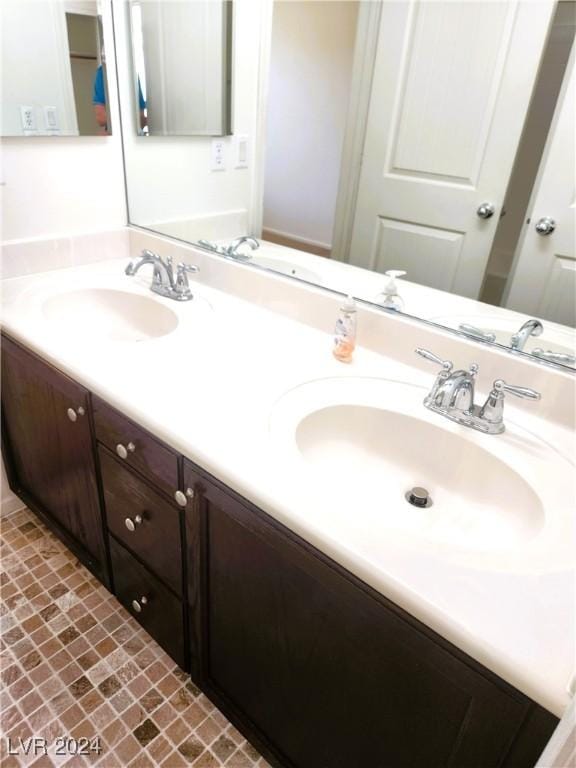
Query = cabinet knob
x=131 y=524
x=73 y=414
x=182 y=498
x=123 y=451
x=138 y=605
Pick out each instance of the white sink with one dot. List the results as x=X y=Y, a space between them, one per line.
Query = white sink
x=109 y=315
x=364 y=443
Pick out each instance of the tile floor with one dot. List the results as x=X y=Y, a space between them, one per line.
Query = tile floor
x=75 y=664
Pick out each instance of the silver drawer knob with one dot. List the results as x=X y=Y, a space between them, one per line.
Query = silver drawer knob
x=131 y=524
x=123 y=451
x=73 y=414
x=182 y=498
x=138 y=605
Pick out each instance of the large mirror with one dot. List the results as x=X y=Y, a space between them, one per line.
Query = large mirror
x=53 y=69
x=422 y=137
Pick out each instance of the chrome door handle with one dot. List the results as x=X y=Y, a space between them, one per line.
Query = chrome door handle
x=485 y=210
x=545 y=225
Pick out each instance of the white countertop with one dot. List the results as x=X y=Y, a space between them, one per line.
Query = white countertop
x=209 y=389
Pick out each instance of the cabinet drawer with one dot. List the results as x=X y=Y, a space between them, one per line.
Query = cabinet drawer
x=161 y=614
x=153 y=530
x=136 y=447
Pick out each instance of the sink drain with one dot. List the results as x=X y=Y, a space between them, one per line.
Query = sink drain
x=418 y=497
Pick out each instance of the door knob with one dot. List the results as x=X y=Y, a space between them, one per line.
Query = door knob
x=545 y=226
x=485 y=210
x=73 y=415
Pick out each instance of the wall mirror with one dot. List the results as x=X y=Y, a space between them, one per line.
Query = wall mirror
x=53 y=69
x=422 y=137
x=181 y=65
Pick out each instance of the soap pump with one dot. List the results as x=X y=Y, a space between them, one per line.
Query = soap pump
x=345 y=331
x=390 y=298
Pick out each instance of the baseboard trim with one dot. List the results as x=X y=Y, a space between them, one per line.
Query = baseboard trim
x=298 y=243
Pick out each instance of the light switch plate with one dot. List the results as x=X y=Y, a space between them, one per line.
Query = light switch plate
x=241 y=153
x=51 y=118
x=218 y=155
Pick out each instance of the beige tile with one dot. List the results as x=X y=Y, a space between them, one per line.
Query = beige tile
x=75 y=663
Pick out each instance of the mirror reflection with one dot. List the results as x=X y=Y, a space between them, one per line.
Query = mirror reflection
x=181 y=64
x=53 y=69
x=418 y=155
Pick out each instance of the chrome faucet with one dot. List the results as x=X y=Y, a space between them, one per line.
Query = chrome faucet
x=530 y=328
x=163 y=281
x=231 y=251
x=452 y=396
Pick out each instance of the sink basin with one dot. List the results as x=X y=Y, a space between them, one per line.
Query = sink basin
x=364 y=443
x=110 y=315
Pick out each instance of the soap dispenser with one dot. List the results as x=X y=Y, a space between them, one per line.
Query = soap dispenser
x=345 y=332
x=390 y=298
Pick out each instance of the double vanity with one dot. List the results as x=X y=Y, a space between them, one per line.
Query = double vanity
x=354 y=579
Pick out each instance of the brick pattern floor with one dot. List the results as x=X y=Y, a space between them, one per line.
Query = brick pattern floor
x=75 y=664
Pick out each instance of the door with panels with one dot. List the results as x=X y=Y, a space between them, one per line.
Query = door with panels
x=451 y=87
x=543 y=282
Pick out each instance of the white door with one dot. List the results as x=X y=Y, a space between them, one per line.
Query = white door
x=543 y=280
x=451 y=88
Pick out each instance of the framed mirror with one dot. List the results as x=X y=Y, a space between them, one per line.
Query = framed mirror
x=433 y=139
x=54 y=80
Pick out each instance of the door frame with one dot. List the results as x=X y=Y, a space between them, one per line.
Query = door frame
x=365 y=49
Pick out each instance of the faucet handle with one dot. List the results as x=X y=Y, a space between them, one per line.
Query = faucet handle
x=445 y=364
x=500 y=387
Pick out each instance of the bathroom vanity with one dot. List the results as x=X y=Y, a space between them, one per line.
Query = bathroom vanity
x=313 y=664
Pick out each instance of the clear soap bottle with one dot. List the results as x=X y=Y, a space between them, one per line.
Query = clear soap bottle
x=345 y=332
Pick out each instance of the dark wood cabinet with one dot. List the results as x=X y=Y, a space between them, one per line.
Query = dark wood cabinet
x=143 y=521
x=328 y=673
x=48 y=449
x=312 y=665
x=150 y=602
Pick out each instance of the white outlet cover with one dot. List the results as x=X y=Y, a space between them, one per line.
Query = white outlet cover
x=28 y=118
x=218 y=155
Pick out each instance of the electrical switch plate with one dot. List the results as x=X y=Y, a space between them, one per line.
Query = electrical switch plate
x=51 y=118
x=241 y=151
x=218 y=155
x=28 y=118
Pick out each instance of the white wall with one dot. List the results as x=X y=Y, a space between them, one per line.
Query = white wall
x=56 y=186
x=169 y=178
x=310 y=73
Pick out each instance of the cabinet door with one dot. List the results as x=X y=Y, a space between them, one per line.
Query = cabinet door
x=330 y=673
x=49 y=442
